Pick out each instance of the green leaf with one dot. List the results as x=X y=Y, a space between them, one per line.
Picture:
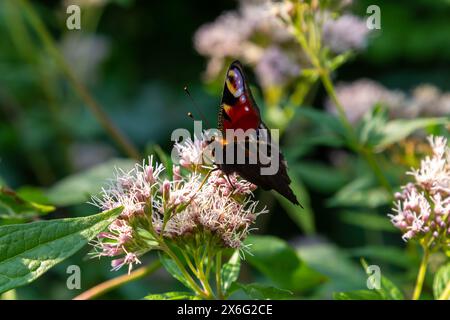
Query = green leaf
x=369 y=129
x=263 y=292
x=398 y=130
x=368 y=221
x=12 y=205
x=357 y=295
x=343 y=273
x=173 y=269
x=328 y=123
x=319 y=177
x=9 y=295
x=388 y=290
x=393 y=255
x=304 y=218
x=441 y=280
x=171 y=296
x=79 y=187
x=33 y=194
x=29 y=250
x=376 y=131
x=230 y=271
x=360 y=193
x=275 y=259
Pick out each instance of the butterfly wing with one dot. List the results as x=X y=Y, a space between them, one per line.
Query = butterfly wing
x=238 y=110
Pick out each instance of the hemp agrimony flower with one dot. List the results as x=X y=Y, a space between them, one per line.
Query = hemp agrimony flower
x=422 y=209
x=195 y=210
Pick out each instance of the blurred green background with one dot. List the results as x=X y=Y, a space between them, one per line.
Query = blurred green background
x=135 y=57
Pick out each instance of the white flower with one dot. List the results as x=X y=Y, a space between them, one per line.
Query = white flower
x=347 y=32
x=275 y=68
x=193 y=153
x=434 y=171
x=362 y=95
x=422 y=209
x=177 y=208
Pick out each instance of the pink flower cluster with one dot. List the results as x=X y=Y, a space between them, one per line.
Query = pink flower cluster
x=257 y=33
x=177 y=208
x=422 y=210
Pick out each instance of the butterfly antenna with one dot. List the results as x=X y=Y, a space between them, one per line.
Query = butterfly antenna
x=203 y=118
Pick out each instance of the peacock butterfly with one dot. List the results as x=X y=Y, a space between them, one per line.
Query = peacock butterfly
x=238 y=110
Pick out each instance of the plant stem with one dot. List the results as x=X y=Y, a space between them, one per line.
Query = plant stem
x=421 y=274
x=354 y=143
x=109 y=285
x=198 y=259
x=324 y=74
x=192 y=283
x=79 y=87
x=445 y=295
x=189 y=263
x=218 y=275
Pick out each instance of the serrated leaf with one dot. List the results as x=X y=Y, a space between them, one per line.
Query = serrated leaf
x=79 y=188
x=441 y=280
x=263 y=292
x=29 y=250
x=357 y=295
x=171 y=296
x=275 y=259
x=230 y=271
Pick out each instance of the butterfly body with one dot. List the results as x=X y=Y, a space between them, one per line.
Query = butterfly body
x=238 y=110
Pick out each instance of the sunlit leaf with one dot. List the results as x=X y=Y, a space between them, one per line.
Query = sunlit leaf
x=29 y=250
x=230 y=271
x=357 y=295
x=441 y=280
x=13 y=206
x=171 y=296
